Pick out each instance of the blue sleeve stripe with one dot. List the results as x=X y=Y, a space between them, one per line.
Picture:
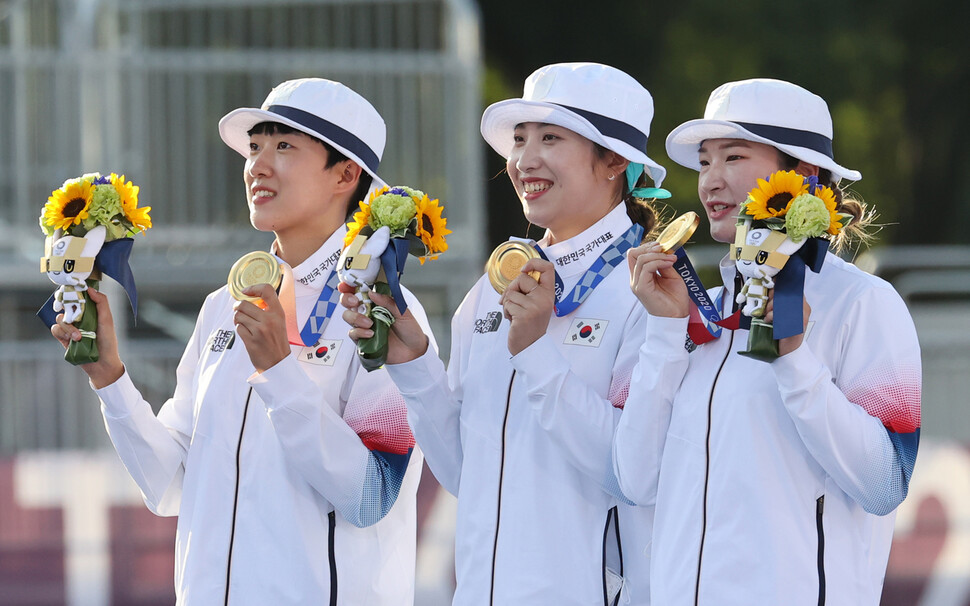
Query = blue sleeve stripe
x=382 y=483
x=906 y=445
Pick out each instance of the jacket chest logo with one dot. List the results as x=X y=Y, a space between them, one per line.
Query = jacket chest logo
x=586 y=332
x=489 y=323
x=221 y=340
x=324 y=353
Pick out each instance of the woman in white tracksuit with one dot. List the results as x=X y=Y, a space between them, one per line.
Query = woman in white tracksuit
x=773 y=483
x=521 y=425
x=292 y=471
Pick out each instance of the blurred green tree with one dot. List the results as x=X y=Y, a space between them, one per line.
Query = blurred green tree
x=895 y=76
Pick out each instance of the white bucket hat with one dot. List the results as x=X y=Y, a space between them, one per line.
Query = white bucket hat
x=321 y=108
x=774 y=112
x=596 y=101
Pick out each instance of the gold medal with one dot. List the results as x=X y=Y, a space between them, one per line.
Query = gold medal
x=506 y=262
x=678 y=232
x=257 y=267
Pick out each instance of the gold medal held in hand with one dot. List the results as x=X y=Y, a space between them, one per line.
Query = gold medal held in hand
x=506 y=262
x=678 y=232
x=257 y=267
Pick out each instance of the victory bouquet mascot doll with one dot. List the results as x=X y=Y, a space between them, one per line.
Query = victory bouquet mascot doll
x=88 y=223
x=783 y=227
x=396 y=221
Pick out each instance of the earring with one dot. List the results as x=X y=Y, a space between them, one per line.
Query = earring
x=611 y=177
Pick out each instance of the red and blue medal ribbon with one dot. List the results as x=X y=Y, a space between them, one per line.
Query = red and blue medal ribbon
x=705 y=322
x=705 y=306
x=601 y=268
x=789 y=291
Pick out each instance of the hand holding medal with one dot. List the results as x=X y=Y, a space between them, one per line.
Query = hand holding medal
x=654 y=278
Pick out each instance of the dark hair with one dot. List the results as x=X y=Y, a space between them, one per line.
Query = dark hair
x=639 y=210
x=334 y=157
x=860 y=229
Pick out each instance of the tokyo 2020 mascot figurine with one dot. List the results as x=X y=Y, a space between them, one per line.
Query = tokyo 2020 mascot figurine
x=783 y=227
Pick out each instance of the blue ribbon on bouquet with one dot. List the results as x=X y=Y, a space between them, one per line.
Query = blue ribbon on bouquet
x=112 y=261
x=790 y=287
x=392 y=261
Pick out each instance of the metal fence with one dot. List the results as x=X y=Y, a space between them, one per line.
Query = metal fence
x=138 y=86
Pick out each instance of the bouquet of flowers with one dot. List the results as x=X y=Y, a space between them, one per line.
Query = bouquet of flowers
x=88 y=223
x=395 y=222
x=783 y=226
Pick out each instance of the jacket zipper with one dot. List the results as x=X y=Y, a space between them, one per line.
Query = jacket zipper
x=612 y=516
x=333 y=558
x=819 y=507
x=501 y=472
x=235 y=498
x=707 y=470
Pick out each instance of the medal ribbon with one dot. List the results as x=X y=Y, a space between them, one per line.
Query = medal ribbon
x=705 y=320
x=706 y=329
x=601 y=268
x=322 y=310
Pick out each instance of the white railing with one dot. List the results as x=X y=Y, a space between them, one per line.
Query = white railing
x=138 y=87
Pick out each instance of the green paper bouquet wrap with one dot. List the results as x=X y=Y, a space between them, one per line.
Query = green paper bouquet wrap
x=85 y=350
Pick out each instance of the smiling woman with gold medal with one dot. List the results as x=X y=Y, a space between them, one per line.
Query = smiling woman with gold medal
x=774 y=462
x=292 y=469
x=520 y=427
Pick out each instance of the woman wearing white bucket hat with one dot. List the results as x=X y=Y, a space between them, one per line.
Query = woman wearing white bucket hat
x=520 y=427
x=773 y=483
x=292 y=470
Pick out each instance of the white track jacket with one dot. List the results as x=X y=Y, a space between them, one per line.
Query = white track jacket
x=525 y=441
x=292 y=487
x=776 y=483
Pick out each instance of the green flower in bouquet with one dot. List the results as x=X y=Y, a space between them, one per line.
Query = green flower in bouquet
x=395 y=210
x=807 y=218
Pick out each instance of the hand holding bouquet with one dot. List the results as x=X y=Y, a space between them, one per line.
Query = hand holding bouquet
x=395 y=222
x=783 y=226
x=88 y=222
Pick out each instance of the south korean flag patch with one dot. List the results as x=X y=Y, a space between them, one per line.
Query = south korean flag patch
x=586 y=332
x=324 y=353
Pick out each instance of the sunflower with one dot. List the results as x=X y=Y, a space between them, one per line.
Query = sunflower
x=772 y=198
x=431 y=227
x=68 y=205
x=361 y=217
x=129 y=203
x=835 y=218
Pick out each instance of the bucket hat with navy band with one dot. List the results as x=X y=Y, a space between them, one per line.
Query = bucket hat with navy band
x=321 y=108
x=774 y=112
x=599 y=102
